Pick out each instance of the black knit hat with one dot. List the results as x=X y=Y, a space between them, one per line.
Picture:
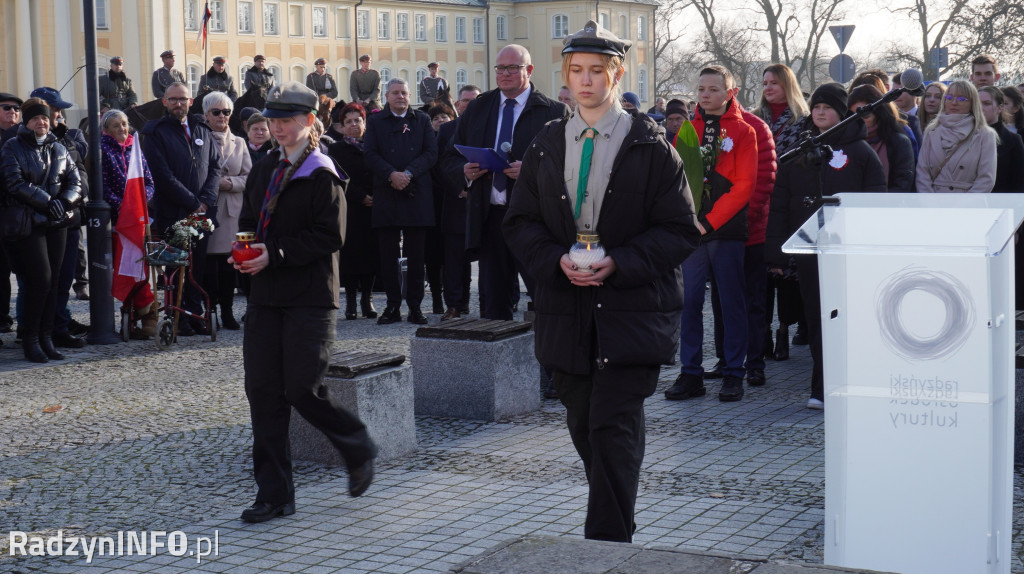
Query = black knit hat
x=832 y=95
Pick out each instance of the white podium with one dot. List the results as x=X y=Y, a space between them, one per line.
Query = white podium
x=918 y=335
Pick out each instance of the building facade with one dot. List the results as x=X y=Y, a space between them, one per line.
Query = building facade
x=43 y=41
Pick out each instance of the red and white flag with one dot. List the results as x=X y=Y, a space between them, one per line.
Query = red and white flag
x=131 y=229
x=201 y=37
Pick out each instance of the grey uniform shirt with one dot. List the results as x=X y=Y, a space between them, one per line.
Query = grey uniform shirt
x=163 y=78
x=612 y=129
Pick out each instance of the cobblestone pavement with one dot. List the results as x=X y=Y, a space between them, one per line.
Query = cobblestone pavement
x=148 y=440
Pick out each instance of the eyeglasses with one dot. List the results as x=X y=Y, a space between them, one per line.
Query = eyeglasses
x=9 y=107
x=177 y=100
x=513 y=69
x=217 y=112
x=960 y=99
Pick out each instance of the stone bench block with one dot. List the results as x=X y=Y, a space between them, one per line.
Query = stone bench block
x=382 y=399
x=474 y=379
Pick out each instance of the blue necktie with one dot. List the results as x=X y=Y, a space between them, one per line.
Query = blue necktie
x=504 y=135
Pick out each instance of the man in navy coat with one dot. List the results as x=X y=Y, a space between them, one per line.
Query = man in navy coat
x=185 y=165
x=486 y=125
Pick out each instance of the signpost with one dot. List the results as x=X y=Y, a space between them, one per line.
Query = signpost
x=842 y=68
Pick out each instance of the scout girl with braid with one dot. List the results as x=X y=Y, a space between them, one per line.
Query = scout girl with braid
x=295 y=203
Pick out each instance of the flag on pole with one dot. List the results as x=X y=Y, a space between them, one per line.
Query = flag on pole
x=201 y=37
x=129 y=267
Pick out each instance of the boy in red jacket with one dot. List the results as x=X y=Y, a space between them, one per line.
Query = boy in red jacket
x=729 y=147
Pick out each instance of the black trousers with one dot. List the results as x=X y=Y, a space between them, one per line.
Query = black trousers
x=810 y=290
x=457 y=271
x=219 y=281
x=5 y=289
x=605 y=416
x=286 y=351
x=497 y=268
x=392 y=242
x=790 y=305
x=37 y=260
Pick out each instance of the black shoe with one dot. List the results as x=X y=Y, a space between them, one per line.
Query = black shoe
x=716 y=372
x=451 y=313
x=19 y=336
x=33 y=352
x=801 y=335
x=782 y=344
x=200 y=327
x=264 y=511
x=227 y=320
x=550 y=392
x=67 y=341
x=755 y=377
x=6 y=324
x=76 y=328
x=416 y=317
x=367 y=304
x=732 y=389
x=359 y=479
x=184 y=328
x=390 y=315
x=686 y=387
x=46 y=344
x=82 y=293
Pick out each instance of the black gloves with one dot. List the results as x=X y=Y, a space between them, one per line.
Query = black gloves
x=57 y=211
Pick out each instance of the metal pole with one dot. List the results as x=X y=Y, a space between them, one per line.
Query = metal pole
x=97 y=211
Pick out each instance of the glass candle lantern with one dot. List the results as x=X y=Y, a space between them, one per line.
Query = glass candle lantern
x=242 y=249
x=586 y=251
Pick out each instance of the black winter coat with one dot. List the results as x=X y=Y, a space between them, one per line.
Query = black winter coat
x=304 y=235
x=902 y=164
x=34 y=174
x=854 y=166
x=647 y=226
x=186 y=171
x=453 y=207
x=1009 y=161
x=400 y=144
x=359 y=256
x=478 y=127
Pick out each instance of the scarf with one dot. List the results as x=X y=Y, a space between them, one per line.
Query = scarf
x=952 y=129
x=358 y=144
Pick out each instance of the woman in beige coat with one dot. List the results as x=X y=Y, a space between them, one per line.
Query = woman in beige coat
x=219 y=280
x=959 y=149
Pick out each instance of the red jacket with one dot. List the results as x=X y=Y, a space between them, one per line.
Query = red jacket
x=723 y=213
x=757 y=211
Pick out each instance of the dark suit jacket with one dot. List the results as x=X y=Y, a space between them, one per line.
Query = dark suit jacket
x=478 y=127
x=453 y=208
x=401 y=144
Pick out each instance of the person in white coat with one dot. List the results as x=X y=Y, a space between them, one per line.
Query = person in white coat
x=959 y=149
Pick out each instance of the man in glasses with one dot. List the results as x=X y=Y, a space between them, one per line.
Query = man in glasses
x=10 y=118
x=505 y=119
x=217 y=79
x=166 y=75
x=186 y=167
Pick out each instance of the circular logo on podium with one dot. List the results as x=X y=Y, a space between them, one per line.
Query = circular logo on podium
x=897 y=322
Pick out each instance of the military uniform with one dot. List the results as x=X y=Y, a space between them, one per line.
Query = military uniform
x=429 y=87
x=212 y=81
x=322 y=84
x=163 y=77
x=116 y=91
x=365 y=87
x=258 y=78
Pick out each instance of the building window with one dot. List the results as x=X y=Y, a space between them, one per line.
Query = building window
x=604 y=21
x=421 y=27
x=341 y=23
x=298 y=73
x=385 y=77
x=559 y=26
x=420 y=74
x=623 y=27
x=216 y=16
x=101 y=14
x=641 y=85
x=383 y=26
x=501 y=27
x=460 y=29
x=270 y=19
x=363 y=24
x=641 y=28
x=296 y=21
x=461 y=79
x=440 y=28
x=404 y=74
x=191 y=23
x=244 y=70
x=478 y=30
x=320 y=22
x=276 y=70
x=192 y=77
x=245 y=17
x=401 y=26
x=481 y=80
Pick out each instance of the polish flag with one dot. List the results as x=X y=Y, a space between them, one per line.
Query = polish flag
x=131 y=229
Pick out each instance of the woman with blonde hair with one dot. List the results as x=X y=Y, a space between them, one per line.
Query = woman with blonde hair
x=931 y=103
x=959 y=149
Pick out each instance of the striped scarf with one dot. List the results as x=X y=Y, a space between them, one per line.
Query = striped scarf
x=272 y=190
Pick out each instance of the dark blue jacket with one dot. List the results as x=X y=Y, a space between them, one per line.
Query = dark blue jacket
x=400 y=144
x=186 y=171
x=453 y=207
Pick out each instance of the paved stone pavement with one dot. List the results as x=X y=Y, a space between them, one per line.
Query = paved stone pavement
x=148 y=440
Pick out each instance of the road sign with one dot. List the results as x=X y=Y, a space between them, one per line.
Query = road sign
x=842 y=34
x=842 y=68
x=938 y=58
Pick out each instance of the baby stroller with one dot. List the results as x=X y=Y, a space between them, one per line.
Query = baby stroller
x=177 y=264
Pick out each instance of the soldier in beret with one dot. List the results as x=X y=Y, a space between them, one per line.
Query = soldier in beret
x=431 y=85
x=294 y=201
x=165 y=76
x=116 y=90
x=321 y=82
x=364 y=85
x=604 y=328
x=258 y=75
x=217 y=79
